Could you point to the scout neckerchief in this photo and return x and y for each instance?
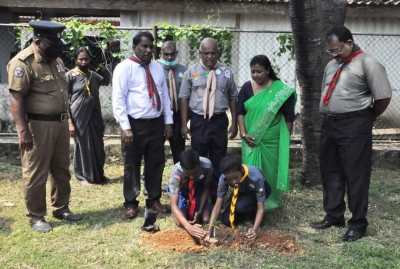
(151, 86)
(192, 198)
(235, 196)
(209, 91)
(87, 80)
(173, 95)
(335, 78)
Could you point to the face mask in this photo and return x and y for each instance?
(169, 64)
(53, 51)
(83, 68)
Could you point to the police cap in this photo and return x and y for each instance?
(47, 29)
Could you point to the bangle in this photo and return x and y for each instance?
(243, 134)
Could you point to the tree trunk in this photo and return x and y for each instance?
(310, 20)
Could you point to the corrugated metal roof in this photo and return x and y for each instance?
(350, 2)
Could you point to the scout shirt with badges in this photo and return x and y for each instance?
(361, 81)
(179, 70)
(43, 83)
(194, 83)
(254, 183)
(178, 180)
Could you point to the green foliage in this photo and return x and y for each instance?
(286, 45)
(194, 34)
(102, 32)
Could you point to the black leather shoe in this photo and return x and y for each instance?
(69, 217)
(352, 235)
(41, 226)
(325, 224)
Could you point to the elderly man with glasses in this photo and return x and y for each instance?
(355, 91)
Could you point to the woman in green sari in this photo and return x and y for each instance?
(265, 116)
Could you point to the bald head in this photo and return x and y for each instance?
(209, 53)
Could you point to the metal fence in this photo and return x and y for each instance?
(246, 45)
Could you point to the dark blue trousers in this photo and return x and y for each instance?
(210, 140)
(345, 163)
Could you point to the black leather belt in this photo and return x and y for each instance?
(342, 116)
(147, 120)
(57, 117)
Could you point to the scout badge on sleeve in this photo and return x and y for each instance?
(19, 71)
(150, 217)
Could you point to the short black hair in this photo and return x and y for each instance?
(136, 39)
(343, 33)
(79, 50)
(231, 164)
(266, 63)
(189, 159)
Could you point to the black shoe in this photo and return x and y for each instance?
(41, 226)
(352, 235)
(69, 217)
(326, 224)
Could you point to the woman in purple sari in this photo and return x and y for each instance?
(85, 122)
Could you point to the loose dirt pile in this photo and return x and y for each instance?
(180, 241)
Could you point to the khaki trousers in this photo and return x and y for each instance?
(49, 157)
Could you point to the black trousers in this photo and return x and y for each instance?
(345, 162)
(210, 140)
(176, 141)
(148, 142)
(246, 208)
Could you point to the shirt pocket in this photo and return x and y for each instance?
(199, 83)
(45, 83)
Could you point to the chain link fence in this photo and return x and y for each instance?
(246, 45)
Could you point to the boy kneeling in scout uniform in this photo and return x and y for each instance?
(250, 190)
(190, 182)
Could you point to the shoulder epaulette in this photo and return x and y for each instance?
(24, 54)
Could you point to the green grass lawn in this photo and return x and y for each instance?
(105, 239)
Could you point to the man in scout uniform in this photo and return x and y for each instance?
(188, 189)
(208, 90)
(39, 104)
(173, 72)
(355, 91)
(250, 190)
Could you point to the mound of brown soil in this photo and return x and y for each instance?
(180, 241)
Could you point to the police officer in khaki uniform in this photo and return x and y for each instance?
(39, 104)
(208, 89)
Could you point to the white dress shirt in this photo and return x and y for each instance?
(131, 97)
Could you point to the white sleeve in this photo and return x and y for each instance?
(119, 96)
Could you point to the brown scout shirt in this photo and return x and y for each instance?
(43, 84)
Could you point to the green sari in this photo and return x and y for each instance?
(267, 125)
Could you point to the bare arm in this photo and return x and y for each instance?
(196, 229)
(214, 216)
(234, 128)
(252, 233)
(184, 118)
(19, 113)
(289, 126)
(380, 107)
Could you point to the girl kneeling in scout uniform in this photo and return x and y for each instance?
(188, 189)
(250, 190)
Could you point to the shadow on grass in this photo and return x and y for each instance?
(5, 225)
(103, 218)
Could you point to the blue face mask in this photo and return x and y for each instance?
(169, 64)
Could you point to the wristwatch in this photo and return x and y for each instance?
(243, 134)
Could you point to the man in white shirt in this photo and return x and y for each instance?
(142, 108)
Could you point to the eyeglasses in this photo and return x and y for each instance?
(335, 50)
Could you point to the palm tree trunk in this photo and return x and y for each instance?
(310, 21)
